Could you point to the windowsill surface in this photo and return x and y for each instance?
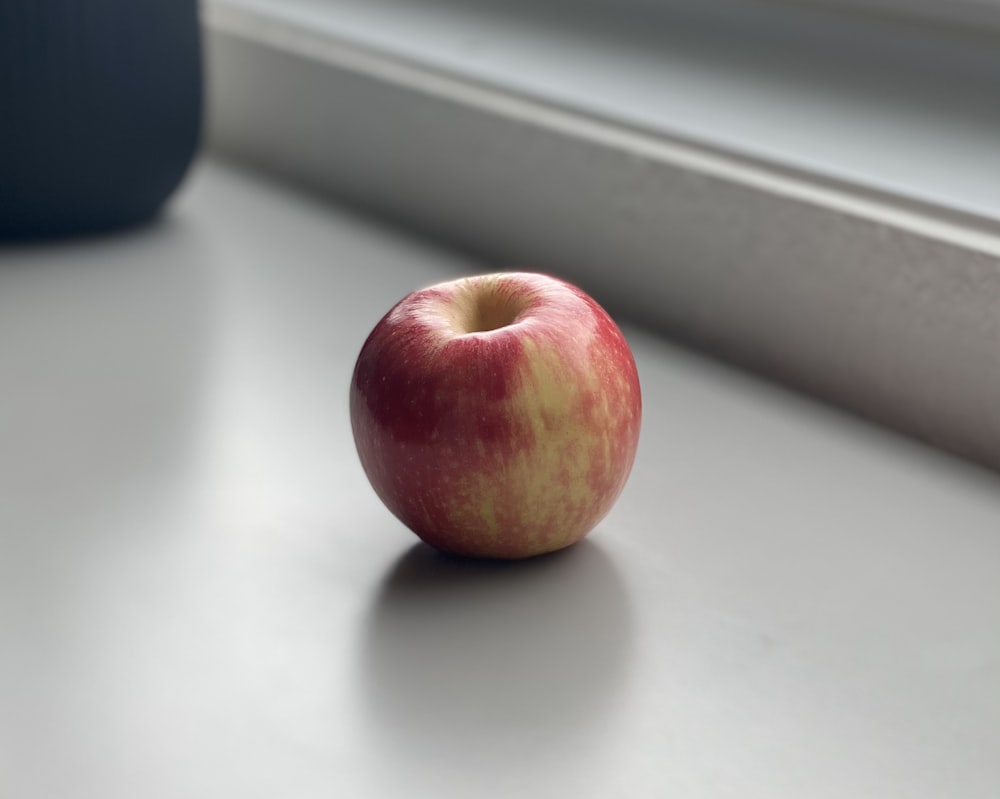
(202, 597)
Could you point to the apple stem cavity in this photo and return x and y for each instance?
(486, 305)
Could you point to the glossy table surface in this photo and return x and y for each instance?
(200, 596)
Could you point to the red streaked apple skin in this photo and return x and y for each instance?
(506, 443)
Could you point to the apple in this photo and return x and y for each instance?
(497, 416)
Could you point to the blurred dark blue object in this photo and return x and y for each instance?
(100, 110)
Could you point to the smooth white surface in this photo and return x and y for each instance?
(899, 111)
(201, 597)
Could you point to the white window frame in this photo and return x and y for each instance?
(885, 302)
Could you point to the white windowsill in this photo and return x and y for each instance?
(201, 597)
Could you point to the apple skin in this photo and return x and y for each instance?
(497, 416)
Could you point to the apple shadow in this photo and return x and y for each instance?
(460, 651)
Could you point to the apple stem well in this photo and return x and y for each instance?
(487, 305)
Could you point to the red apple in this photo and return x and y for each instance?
(497, 416)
